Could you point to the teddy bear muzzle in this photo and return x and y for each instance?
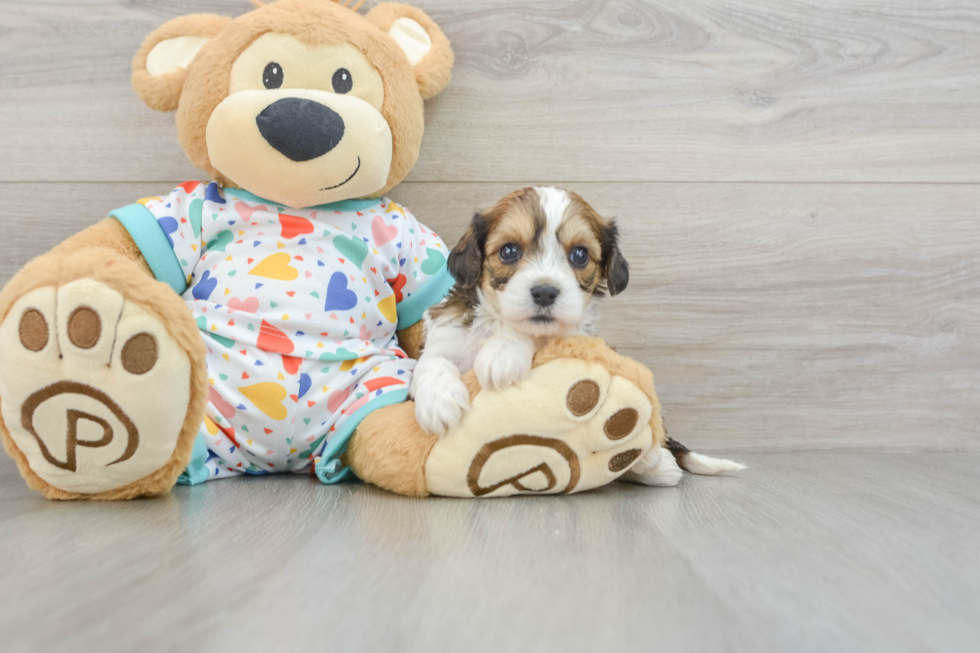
(300, 147)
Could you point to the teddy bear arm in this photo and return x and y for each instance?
(108, 233)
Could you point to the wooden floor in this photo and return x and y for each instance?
(798, 185)
(805, 552)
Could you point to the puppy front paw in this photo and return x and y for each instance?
(502, 363)
(440, 395)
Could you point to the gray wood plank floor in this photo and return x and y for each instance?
(804, 552)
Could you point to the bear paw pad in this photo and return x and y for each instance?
(570, 426)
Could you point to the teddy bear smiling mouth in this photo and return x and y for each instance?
(356, 170)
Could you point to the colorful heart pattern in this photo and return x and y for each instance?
(246, 211)
(383, 233)
(268, 398)
(274, 340)
(276, 267)
(293, 225)
(339, 298)
(247, 305)
(389, 308)
(299, 308)
(354, 249)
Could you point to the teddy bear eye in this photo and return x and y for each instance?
(342, 81)
(272, 77)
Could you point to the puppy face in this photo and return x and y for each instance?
(537, 258)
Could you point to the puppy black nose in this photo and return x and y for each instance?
(300, 129)
(544, 296)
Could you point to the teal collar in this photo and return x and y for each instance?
(342, 205)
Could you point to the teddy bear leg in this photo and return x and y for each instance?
(103, 382)
(389, 450)
(582, 418)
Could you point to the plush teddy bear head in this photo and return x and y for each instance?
(302, 102)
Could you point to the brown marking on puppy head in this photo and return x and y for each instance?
(213, 71)
(581, 226)
(466, 260)
(584, 227)
(466, 265)
(516, 221)
(517, 218)
(458, 307)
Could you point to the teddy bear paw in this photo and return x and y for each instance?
(569, 426)
(94, 389)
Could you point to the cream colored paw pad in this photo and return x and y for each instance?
(570, 426)
(81, 373)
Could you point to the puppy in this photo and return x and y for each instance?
(526, 271)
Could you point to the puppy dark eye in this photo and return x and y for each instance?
(579, 257)
(342, 81)
(272, 77)
(510, 253)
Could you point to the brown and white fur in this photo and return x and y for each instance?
(526, 271)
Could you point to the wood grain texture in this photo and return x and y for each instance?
(790, 317)
(568, 90)
(805, 552)
(775, 316)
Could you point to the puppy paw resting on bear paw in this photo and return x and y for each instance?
(502, 363)
(440, 395)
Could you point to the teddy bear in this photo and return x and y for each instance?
(268, 320)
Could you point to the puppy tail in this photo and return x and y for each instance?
(695, 463)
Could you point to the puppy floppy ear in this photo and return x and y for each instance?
(160, 66)
(426, 47)
(615, 269)
(466, 259)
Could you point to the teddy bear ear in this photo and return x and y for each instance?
(160, 66)
(426, 47)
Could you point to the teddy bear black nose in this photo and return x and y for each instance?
(300, 129)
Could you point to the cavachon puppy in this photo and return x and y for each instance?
(526, 271)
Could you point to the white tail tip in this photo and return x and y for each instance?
(658, 468)
(707, 466)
